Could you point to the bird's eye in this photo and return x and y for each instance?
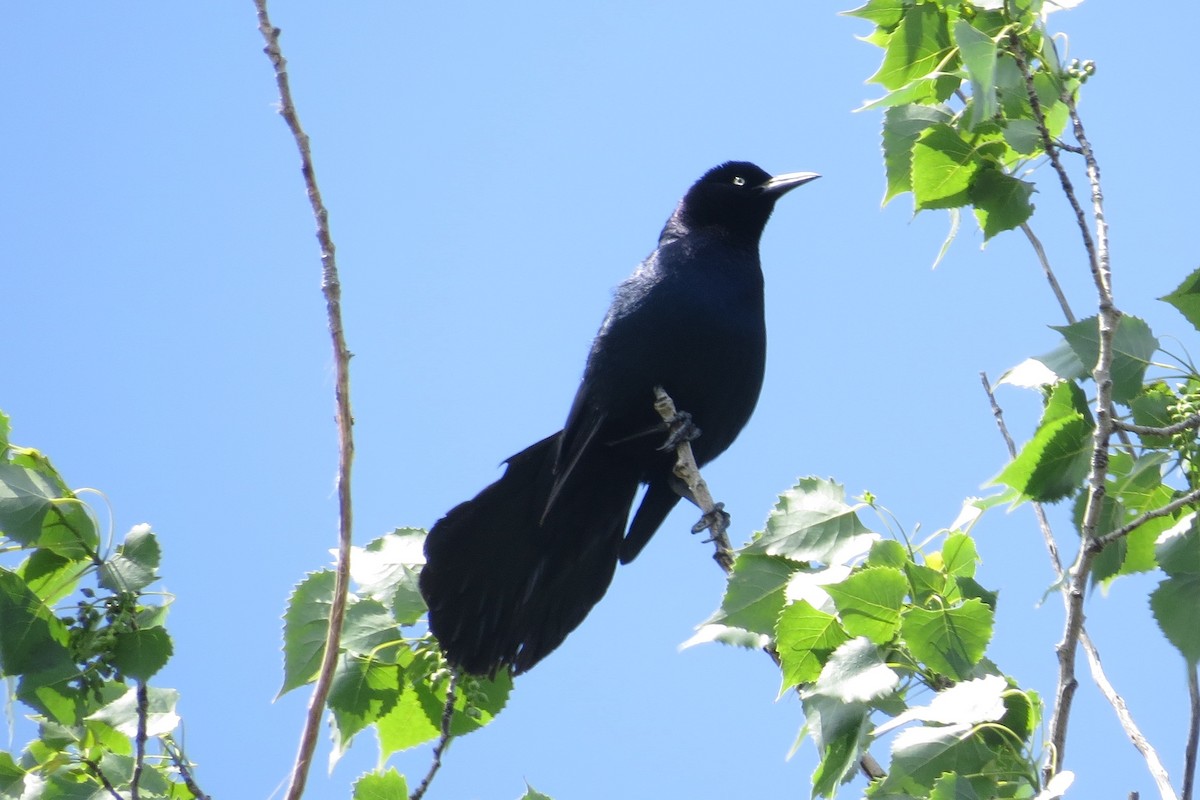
(739, 181)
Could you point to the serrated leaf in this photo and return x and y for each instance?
(902, 126)
(978, 52)
(1001, 201)
(884, 13)
(363, 691)
(370, 630)
(887, 553)
(967, 703)
(1055, 461)
(1186, 298)
(812, 522)
(32, 639)
(918, 46)
(869, 602)
(51, 576)
(1178, 548)
(140, 654)
(920, 756)
(1133, 347)
(804, 639)
(386, 570)
(959, 555)
(1176, 607)
(122, 713)
(953, 787)
(856, 673)
(839, 731)
(950, 640)
(533, 794)
(1023, 136)
(135, 564)
(388, 785)
(1152, 408)
(754, 595)
(26, 496)
(943, 167)
(305, 626)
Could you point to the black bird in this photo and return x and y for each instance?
(510, 573)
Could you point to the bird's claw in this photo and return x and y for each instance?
(680, 429)
(718, 519)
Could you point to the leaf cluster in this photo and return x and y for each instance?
(862, 626)
(388, 677)
(969, 89)
(81, 635)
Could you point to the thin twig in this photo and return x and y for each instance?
(686, 469)
(1193, 740)
(1167, 430)
(139, 763)
(440, 747)
(100, 776)
(175, 754)
(1157, 771)
(331, 288)
(1099, 543)
(1050, 276)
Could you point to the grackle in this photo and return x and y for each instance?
(510, 573)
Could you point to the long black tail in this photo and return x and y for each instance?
(504, 585)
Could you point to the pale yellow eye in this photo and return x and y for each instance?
(739, 181)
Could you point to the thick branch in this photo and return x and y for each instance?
(331, 287)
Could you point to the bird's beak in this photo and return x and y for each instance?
(786, 182)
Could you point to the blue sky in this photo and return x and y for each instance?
(492, 172)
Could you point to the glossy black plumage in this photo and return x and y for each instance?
(511, 572)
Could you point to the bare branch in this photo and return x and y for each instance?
(1099, 543)
(1050, 276)
(100, 776)
(440, 747)
(331, 287)
(139, 763)
(1153, 762)
(175, 754)
(1168, 430)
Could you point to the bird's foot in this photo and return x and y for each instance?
(716, 520)
(680, 429)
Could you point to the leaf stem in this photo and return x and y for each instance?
(443, 741)
(331, 288)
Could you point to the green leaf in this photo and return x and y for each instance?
(1178, 549)
(804, 639)
(813, 522)
(1152, 408)
(533, 794)
(32, 639)
(920, 756)
(51, 576)
(26, 496)
(388, 785)
(139, 654)
(305, 626)
(953, 787)
(1133, 347)
(884, 13)
(122, 713)
(917, 47)
(1176, 607)
(943, 167)
(1023, 136)
(363, 691)
(1186, 298)
(968, 703)
(839, 731)
(978, 51)
(1001, 201)
(950, 640)
(135, 564)
(869, 602)
(888, 553)
(1055, 461)
(902, 126)
(856, 673)
(370, 630)
(386, 570)
(754, 595)
(959, 556)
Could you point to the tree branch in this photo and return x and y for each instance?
(1153, 762)
(1189, 758)
(331, 288)
(1099, 543)
(1051, 278)
(1168, 430)
(440, 747)
(175, 754)
(139, 763)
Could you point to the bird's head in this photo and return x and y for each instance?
(736, 196)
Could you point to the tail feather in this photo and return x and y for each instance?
(504, 585)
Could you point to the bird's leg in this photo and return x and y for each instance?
(680, 429)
